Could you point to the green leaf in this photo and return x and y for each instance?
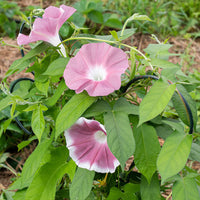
(97, 108)
(113, 23)
(150, 191)
(195, 152)
(57, 67)
(170, 73)
(37, 122)
(145, 156)
(32, 164)
(160, 51)
(9, 194)
(174, 154)
(19, 195)
(185, 189)
(129, 190)
(57, 94)
(23, 144)
(115, 193)
(22, 63)
(43, 186)
(122, 105)
(72, 110)
(42, 86)
(155, 101)
(120, 137)
(163, 63)
(175, 125)
(114, 34)
(137, 16)
(180, 106)
(163, 130)
(5, 102)
(128, 194)
(96, 16)
(127, 33)
(81, 184)
(71, 169)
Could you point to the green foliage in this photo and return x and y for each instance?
(72, 111)
(120, 137)
(169, 17)
(8, 10)
(44, 183)
(133, 119)
(173, 156)
(81, 184)
(150, 190)
(185, 188)
(146, 157)
(158, 97)
(10, 13)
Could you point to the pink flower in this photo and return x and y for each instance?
(87, 144)
(96, 68)
(47, 27)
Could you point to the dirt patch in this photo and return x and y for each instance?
(15, 161)
(8, 54)
(188, 49)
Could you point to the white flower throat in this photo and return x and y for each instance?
(100, 137)
(97, 73)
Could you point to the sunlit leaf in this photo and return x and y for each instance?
(32, 164)
(59, 90)
(147, 150)
(185, 189)
(72, 110)
(43, 186)
(81, 184)
(150, 191)
(37, 122)
(57, 67)
(137, 16)
(22, 63)
(174, 154)
(120, 136)
(156, 100)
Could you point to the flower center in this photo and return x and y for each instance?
(98, 73)
(100, 137)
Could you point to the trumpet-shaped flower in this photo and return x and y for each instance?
(96, 68)
(87, 144)
(47, 27)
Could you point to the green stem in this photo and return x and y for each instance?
(11, 45)
(124, 26)
(169, 196)
(101, 28)
(111, 42)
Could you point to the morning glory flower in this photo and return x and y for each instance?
(87, 144)
(96, 68)
(47, 28)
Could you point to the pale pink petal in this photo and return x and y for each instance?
(47, 28)
(42, 30)
(96, 68)
(87, 144)
(60, 15)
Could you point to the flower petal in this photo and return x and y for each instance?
(87, 144)
(47, 28)
(96, 68)
(60, 15)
